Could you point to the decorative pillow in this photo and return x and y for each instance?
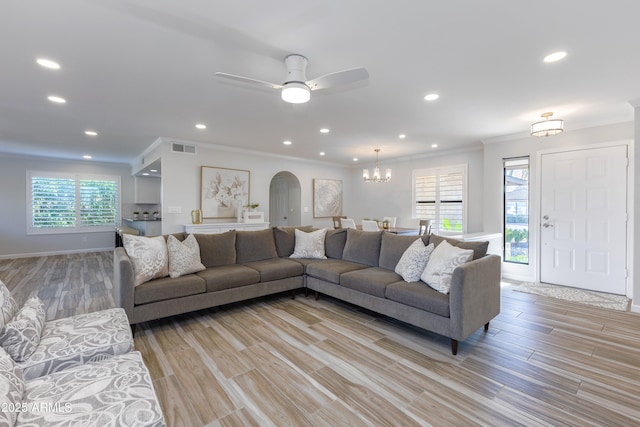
(479, 248)
(334, 243)
(254, 246)
(148, 256)
(8, 306)
(286, 239)
(184, 257)
(414, 260)
(443, 260)
(309, 245)
(217, 249)
(11, 389)
(362, 247)
(21, 336)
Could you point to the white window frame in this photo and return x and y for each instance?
(74, 229)
(438, 171)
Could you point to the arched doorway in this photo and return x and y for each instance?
(285, 200)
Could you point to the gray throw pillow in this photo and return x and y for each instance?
(362, 247)
(392, 248)
(334, 243)
(254, 246)
(217, 249)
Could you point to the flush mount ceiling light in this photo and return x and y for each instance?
(201, 126)
(47, 63)
(376, 172)
(296, 93)
(555, 56)
(431, 97)
(547, 127)
(56, 99)
(91, 133)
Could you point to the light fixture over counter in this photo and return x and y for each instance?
(547, 127)
(376, 172)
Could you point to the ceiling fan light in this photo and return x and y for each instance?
(296, 93)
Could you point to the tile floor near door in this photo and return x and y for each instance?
(277, 361)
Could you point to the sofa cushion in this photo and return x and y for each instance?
(414, 260)
(479, 248)
(229, 276)
(255, 246)
(8, 306)
(277, 268)
(306, 261)
(443, 260)
(393, 246)
(184, 257)
(167, 288)
(79, 339)
(12, 386)
(310, 245)
(331, 269)
(416, 294)
(286, 240)
(372, 281)
(334, 243)
(217, 249)
(21, 336)
(117, 391)
(362, 247)
(148, 256)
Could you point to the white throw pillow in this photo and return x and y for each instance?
(444, 259)
(310, 245)
(148, 256)
(184, 257)
(414, 260)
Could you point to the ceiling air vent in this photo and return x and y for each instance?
(183, 148)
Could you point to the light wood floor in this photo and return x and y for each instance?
(277, 361)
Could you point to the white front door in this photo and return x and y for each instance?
(583, 232)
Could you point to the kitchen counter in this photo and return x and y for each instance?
(146, 227)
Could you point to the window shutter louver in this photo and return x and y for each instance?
(439, 195)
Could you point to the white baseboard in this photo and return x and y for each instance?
(635, 308)
(39, 254)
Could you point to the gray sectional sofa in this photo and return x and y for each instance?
(359, 269)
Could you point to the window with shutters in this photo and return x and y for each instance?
(63, 203)
(440, 194)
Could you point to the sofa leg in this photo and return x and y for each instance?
(306, 292)
(293, 294)
(454, 346)
(486, 326)
(317, 296)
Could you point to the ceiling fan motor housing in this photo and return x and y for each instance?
(296, 68)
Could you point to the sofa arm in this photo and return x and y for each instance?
(474, 297)
(123, 281)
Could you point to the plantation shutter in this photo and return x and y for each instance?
(439, 195)
(98, 202)
(53, 202)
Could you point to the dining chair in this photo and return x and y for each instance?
(391, 219)
(425, 226)
(368, 225)
(347, 223)
(336, 221)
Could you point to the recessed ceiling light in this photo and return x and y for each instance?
(402, 136)
(48, 63)
(322, 153)
(434, 145)
(431, 97)
(91, 132)
(56, 99)
(287, 142)
(86, 156)
(201, 126)
(555, 56)
(355, 159)
(145, 173)
(325, 130)
(153, 170)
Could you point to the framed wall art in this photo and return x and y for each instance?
(223, 191)
(327, 198)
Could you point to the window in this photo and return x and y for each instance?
(516, 210)
(439, 194)
(63, 203)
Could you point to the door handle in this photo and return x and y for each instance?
(547, 225)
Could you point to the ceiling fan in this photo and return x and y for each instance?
(296, 89)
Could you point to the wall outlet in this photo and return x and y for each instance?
(305, 209)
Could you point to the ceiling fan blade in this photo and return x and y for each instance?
(338, 78)
(249, 80)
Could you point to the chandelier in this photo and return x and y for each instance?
(547, 127)
(376, 172)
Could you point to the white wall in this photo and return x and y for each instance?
(14, 241)
(530, 146)
(181, 180)
(394, 198)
